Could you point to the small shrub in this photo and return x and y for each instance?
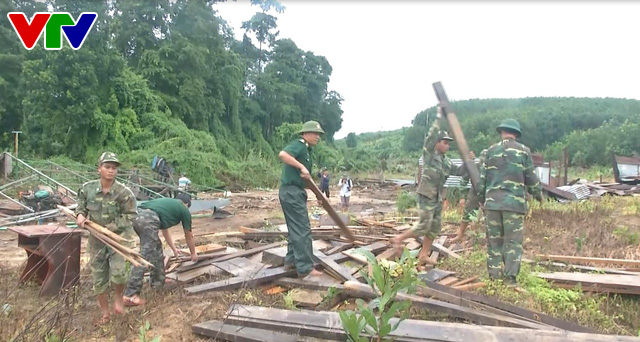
(405, 201)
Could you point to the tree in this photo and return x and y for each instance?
(351, 140)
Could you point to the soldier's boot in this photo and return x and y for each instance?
(461, 230)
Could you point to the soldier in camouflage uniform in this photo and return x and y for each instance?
(437, 167)
(113, 206)
(506, 174)
(471, 204)
(156, 216)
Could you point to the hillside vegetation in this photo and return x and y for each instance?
(169, 78)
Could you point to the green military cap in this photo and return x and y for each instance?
(108, 157)
(511, 125)
(443, 135)
(311, 126)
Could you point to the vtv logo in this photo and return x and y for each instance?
(53, 25)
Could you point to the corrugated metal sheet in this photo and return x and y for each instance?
(580, 190)
(456, 181)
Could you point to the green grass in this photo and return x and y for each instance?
(611, 314)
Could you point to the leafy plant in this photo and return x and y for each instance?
(373, 322)
(143, 333)
(405, 201)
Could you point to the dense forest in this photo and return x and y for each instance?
(168, 78)
(164, 77)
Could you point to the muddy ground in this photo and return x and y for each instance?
(557, 229)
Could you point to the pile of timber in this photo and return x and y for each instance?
(110, 239)
(608, 278)
(253, 323)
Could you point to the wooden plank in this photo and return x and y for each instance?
(274, 256)
(468, 287)
(413, 244)
(374, 248)
(458, 135)
(448, 281)
(195, 273)
(210, 248)
(239, 266)
(249, 252)
(485, 318)
(318, 283)
(332, 265)
(585, 260)
(202, 262)
(227, 332)
(453, 299)
(279, 235)
(264, 276)
(599, 282)
(435, 254)
(465, 281)
(337, 249)
(389, 254)
(327, 206)
(584, 269)
(445, 250)
(529, 314)
(248, 230)
(327, 325)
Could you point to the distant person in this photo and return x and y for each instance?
(183, 182)
(293, 198)
(506, 175)
(112, 205)
(156, 216)
(345, 185)
(436, 169)
(324, 183)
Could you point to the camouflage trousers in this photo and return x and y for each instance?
(107, 266)
(147, 225)
(505, 233)
(429, 224)
(471, 204)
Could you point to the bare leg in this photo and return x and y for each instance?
(118, 303)
(103, 301)
(398, 241)
(461, 230)
(423, 257)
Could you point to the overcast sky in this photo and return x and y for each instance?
(386, 54)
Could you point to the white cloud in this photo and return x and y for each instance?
(386, 55)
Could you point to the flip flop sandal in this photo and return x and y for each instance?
(131, 301)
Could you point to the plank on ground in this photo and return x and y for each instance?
(529, 314)
(603, 282)
(264, 276)
(586, 260)
(323, 324)
(485, 318)
(227, 332)
(333, 266)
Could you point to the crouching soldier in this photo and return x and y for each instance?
(156, 216)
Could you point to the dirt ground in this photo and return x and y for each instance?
(171, 312)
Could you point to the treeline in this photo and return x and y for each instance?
(591, 128)
(168, 78)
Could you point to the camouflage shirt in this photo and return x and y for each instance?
(466, 179)
(114, 210)
(506, 174)
(436, 167)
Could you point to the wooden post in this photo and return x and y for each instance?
(15, 133)
(565, 164)
(452, 119)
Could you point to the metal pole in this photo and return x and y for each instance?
(16, 133)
